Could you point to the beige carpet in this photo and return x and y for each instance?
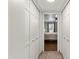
(50, 55)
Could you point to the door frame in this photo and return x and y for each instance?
(58, 40)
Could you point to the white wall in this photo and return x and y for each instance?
(41, 32)
(16, 29)
(65, 32)
(24, 30)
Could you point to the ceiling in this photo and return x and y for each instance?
(56, 6)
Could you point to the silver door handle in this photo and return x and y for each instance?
(33, 40)
(66, 39)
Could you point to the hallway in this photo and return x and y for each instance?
(30, 26)
(50, 55)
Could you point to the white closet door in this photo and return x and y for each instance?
(34, 49)
(67, 36)
(27, 40)
(32, 27)
(27, 52)
(34, 32)
(37, 26)
(34, 37)
(37, 34)
(66, 33)
(37, 48)
(27, 27)
(66, 39)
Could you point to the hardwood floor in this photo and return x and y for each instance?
(50, 51)
(50, 55)
(50, 45)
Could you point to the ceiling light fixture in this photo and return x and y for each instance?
(50, 0)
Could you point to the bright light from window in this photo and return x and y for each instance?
(50, 0)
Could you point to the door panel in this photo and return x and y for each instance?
(37, 48)
(32, 50)
(27, 27)
(27, 52)
(66, 33)
(34, 36)
(34, 31)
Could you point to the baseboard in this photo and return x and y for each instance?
(40, 53)
(61, 54)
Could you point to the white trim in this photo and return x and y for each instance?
(58, 31)
(40, 9)
(36, 5)
(65, 6)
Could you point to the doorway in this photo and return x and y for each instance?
(50, 32)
